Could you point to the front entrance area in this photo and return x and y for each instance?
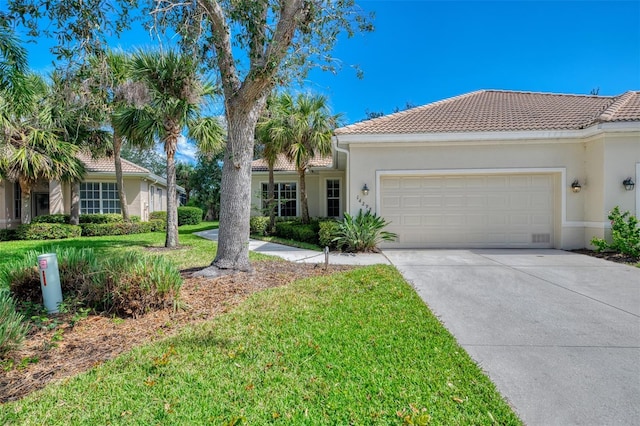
(469, 211)
(40, 204)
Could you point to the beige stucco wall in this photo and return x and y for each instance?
(316, 186)
(599, 163)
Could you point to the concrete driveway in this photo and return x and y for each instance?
(557, 332)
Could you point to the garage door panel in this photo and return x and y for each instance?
(469, 211)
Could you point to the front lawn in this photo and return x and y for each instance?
(355, 347)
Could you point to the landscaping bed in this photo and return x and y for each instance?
(72, 347)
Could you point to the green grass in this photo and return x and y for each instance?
(287, 242)
(357, 347)
(193, 252)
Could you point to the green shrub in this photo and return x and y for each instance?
(328, 233)
(158, 215)
(258, 225)
(47, 231)
(128, 283)
(100, 218)
(625, 234)
(157, 225)
(8, 235)
(51, 218)
(363, 232)
(12, 327)
(189, 215)
(118, 228)
(134, 218)
(294, 230)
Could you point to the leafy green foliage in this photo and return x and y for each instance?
(51, 218)
(160, 215)
(126, 283)
(328, 233)
(121, 228)
(363, 232)
(12, 327)
(295, 230)
(189, 215)
(625, 234)
(258, 225)
(8, 234)
(47, 231)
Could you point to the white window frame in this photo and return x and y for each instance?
(339, 197)
(278, 191)
(110, 189)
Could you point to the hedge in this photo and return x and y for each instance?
(121, 228)
(47, 231)
(52, 218)
(8, 234)
(294, 230)
(328, 232)
(189, 215)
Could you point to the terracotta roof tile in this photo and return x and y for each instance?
(105, 165)
(284, 165)
(497, 110)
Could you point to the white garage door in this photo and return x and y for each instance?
(469, 211)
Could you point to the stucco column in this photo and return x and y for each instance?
(56, 198)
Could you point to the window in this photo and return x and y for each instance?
(17, 201)
(286, 198)
(159, 198)
(99, 197)
(333, 197)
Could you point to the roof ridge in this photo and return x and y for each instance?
(530, 92)
(618, 102)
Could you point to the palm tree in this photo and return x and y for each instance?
(176, 94)
(304, 127)
(110, 90)
(33, 145)
(13, 59)
(271, 149)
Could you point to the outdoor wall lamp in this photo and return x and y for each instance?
(365, 190)
(629, 184)
(575, 186)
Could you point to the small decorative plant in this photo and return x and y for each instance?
(625, 235)
(363, 232)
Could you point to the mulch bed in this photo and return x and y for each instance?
(612, 257)
(97, 339)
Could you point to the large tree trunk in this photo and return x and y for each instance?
(271, 201)
(235, 198)
(303, 196)
(172, 202)
(74, 218)
(25, 208)
(117, 147)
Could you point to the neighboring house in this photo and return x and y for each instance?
(145, 191)
(489, 169)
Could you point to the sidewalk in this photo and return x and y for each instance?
(294, 254)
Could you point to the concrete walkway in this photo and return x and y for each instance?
(557, 332)
(305, 256)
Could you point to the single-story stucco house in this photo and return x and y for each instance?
(487, 169)
(146, 193)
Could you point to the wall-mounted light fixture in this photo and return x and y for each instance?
(628, 184)
(365, 190)
(575, 186)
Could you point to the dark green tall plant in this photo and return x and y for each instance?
(363, 232)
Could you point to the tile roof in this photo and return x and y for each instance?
(284, 165)
(499, 110)
(105, 165)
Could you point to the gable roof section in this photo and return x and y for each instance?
(284, 165)
(499, 110)
(106, 165)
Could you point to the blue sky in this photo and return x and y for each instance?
(423, 51)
